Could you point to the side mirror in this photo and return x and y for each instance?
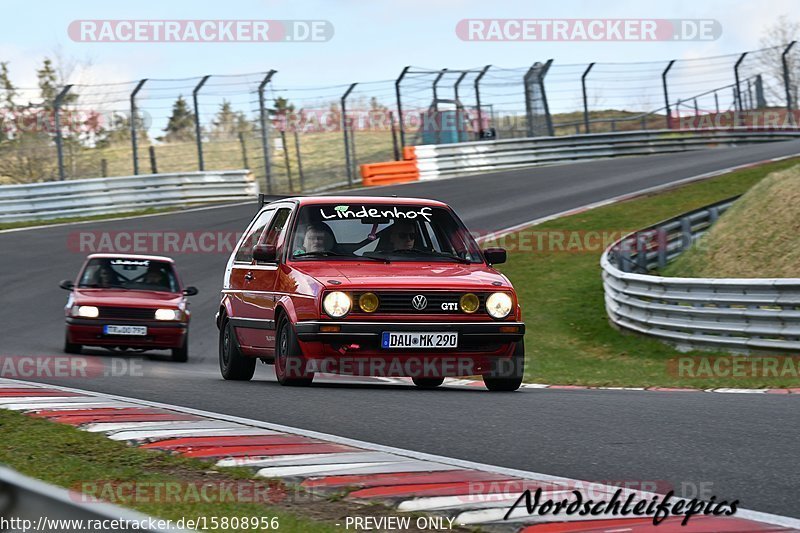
(495, 256)
(67, 285)
(190, 291)
(265, 253)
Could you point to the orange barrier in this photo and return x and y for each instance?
(409, 154)
(389, 173)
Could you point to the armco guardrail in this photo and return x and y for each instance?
(72, 198)
(434, 161)
(740, 315)
(28, 504)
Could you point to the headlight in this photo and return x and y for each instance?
(469, 303)
(498, 305)
(368, 302)
(337, 304)
(88, 311)
(168, 314)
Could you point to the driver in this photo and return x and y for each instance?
(155, 276)
(402, 235)
(318, 238)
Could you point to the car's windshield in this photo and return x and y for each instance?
(125, 273)
(381, 231)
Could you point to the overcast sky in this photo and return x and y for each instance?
(373, 39)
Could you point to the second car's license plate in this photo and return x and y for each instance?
(125, 330)
(400, 339)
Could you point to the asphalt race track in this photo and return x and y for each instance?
(734, 446)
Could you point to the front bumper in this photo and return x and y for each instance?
(160, 335)
(469, 333)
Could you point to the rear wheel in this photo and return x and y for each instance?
(427, 383)
(290, 366)
(232, 363)
(181, 355)
(70, 347)
(506, 374)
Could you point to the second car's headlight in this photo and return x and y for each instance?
(498, 304)
(337, 304)
(168, 314)
(88, 311)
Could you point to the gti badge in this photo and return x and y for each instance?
(419, 302)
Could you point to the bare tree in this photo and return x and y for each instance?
(775, 38)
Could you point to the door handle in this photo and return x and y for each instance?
(249, 276)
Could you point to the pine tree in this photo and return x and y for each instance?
(180, 127)
(9, 91)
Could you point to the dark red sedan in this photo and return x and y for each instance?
(368, 286)
(128, 302)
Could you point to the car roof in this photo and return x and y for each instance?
(384, 200)
(131, 256)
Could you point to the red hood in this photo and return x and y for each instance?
(119, 298)
(403, 275)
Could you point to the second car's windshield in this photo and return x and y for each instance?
(381, 231)
(125, 273)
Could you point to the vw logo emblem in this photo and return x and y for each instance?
(419, 302)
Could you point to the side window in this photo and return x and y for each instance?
(277, 227)
(245, 252)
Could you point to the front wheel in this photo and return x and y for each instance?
(290, 366)
(181, 354)
(232, 363)
(70, 347)
(506, 374)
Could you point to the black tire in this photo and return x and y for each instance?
(181, 355)
(290, 368)
(427, 383)
(233, 365)
(72, 348)
(506, 374)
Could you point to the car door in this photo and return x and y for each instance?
(244, 313)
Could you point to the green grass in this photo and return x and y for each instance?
(757, 237)
(569, 339)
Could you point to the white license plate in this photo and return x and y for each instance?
(125, 330)
(433, 340)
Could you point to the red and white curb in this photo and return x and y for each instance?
(452, 382)
(469, 493)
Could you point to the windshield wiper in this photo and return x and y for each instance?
(326, 253)
(432, 254)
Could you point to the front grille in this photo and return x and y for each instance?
(129, 313)
(401, 302)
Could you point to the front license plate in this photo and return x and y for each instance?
(400, 339)
(125, 330)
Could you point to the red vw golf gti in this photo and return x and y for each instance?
(368, 286)
(128, 302)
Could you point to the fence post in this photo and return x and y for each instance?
(134, 140)
(59, 140)
(400, 106)
(477, 84)
(716, 102)
(244, 150)
(459, 107)
(395, 146)
(197, 132)
(738, 88)
(286, 158)
(547, 117)
(153, 166)
(666, 93)
(585, 101)
(299, 161)
(437, 121)
(786, 81)
(346, 136)
(262, 118)
(104, 167)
